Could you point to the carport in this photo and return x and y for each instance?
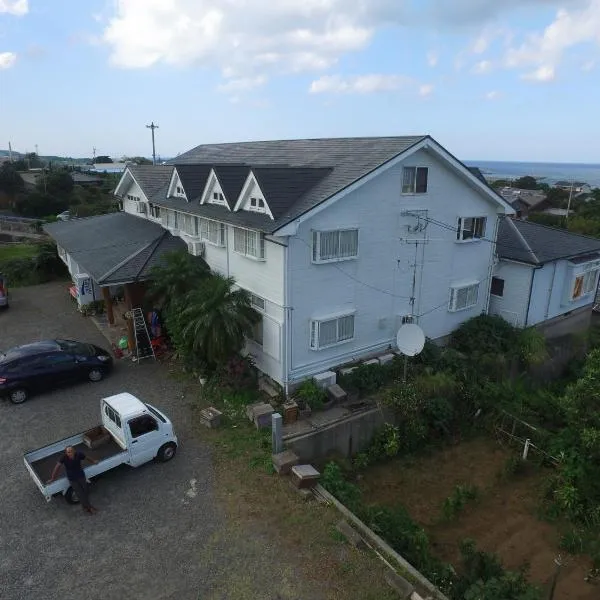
(114, 250)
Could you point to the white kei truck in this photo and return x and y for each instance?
(132, 433)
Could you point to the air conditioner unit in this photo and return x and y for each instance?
(195, 248)
(141, 208)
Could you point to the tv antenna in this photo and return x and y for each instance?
(410, 340)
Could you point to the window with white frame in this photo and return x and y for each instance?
(257, 205)
(463, 296)
(470, 228)
(340, 244)
(212, 231)
(172, 219)
(414, 180)
(330, 332)
(189, 224)
(218, 198)
(249, 243)
(155, 211)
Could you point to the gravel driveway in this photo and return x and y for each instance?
(155, 522)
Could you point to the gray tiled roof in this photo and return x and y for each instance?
(114, 248)
(349, 159)
(151, 178)
(537, 244)
(193, 178)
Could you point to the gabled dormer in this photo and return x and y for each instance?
(252, 197)
(213, 191)
(176, 188)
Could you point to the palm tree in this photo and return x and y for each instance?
(178, 274)
(217, 320)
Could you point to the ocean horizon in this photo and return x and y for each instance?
(545, 172)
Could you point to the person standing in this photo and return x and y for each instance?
(71, 460)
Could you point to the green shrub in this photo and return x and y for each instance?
(385, 444)
(367, 379)
(485, 334)
(458, 500)
(310, 393)
(335, 483)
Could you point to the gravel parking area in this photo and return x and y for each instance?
(159, 533)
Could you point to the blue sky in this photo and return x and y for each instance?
(490, 80)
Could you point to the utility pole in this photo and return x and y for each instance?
(569, 203)
(94, 155)
(10, 152)
(152, 126)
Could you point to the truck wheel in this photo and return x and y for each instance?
(18, 396)
(166, 452)
(71, 497)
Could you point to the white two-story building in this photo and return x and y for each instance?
(339, 241)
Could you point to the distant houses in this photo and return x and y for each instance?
(524, 201)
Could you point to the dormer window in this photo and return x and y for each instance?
(218, 197)
(257, 204)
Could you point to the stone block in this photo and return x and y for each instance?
(324, 380)
(305, 476)
(351, 535)
(250, 410)
(336, 393)
(268, 388)
(404, 588)
(373, 361)
(284, 461)
(347, 371)
(385, 359)
(262, 416)
(210, 417)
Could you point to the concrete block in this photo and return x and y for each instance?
(268, 388)
(351, 535)
(262, 416)
(400, 585)
(305, 476)
(385, 359)
(284, 461)
(210, 417)
(324, 380)
(336, 393)
(347, 371)
(373, 361)
(250, 410)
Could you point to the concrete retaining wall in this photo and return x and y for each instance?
(346, 437)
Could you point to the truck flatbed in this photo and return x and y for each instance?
(44, 466)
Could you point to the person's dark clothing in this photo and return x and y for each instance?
(73, 466)
(81, 488)
(76, 477)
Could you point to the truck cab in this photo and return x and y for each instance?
(139, 428)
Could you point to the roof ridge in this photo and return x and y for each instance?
(523, 240)
(158, 241)
(127, 259)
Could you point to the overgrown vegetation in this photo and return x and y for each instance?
(309, 393)
(31, 264)
(479, 576)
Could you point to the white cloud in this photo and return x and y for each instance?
(426, 89)
(242, 84)
(589, 65)
(7, 60)
(14, 7)
(482, 67)
(544, 51)
(543, 74)
(432, 58)
(492, 95)
(359, 84)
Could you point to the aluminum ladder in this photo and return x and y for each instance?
(143, 345)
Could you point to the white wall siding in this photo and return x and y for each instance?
(512, 305)
(552, 285)
(130, 206)
(378, 284)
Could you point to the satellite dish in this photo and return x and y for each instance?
(410, 339)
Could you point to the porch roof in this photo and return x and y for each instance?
(116, 248)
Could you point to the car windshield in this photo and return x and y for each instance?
(76, 347)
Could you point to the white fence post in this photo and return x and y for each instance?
(526, 448)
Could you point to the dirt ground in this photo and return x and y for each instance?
(502, 520)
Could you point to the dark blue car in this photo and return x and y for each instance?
(44, 365)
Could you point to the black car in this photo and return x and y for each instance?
(41, 366)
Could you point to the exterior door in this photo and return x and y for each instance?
(145, 439)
